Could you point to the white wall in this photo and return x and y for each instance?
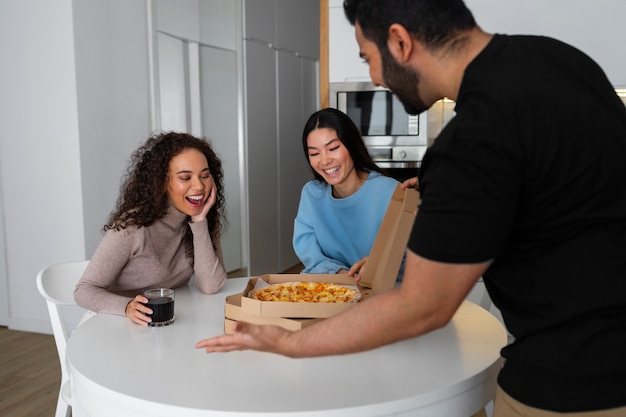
(596, 28)
(74, 103)
(113, 87)
(39, 149)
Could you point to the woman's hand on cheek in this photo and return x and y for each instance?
(210, 202)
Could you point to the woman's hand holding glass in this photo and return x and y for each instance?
(137, 311)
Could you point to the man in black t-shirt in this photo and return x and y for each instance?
(525, 187)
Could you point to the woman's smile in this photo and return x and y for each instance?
(331, 171)
(189, 180)
(196, 200)
(330, 158)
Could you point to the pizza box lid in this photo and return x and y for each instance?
(378, 276)
(389, 246)
(233, 313)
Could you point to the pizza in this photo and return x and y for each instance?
(309, 292)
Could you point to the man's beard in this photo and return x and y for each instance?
(403, 82)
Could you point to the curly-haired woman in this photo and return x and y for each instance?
(165, 228)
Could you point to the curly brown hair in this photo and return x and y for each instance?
(143, 196)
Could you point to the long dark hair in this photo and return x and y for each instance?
(348, 134)
(435, 23)
(143, 196)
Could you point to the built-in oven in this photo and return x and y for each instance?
(393, 138)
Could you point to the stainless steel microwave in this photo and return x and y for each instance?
(394, 138)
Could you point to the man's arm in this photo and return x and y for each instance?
(427, 299)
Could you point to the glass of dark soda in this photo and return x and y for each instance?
(161, 301)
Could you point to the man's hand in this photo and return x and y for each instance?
(247, 336)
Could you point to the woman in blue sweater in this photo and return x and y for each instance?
(342, 208)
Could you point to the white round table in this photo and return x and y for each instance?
(120, 368)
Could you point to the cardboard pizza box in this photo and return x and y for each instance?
(379, 275)
(234, 313)
(297, 310)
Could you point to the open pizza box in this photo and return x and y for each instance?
(379, 275)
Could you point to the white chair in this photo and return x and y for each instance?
(56, 284)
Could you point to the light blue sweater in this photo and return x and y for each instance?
(333, 233)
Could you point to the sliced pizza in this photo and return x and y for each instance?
(306, 292)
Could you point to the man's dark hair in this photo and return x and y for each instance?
(435, 23)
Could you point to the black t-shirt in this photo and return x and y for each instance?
(531, 173)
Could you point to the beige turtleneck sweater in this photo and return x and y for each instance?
(129, 261)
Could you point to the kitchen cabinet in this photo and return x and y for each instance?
(220, 116)
(260, 20)
(280, 81)
(298, 27)
(262, 160)
(291, 25)
(297, 99)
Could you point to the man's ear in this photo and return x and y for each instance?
(400, 43)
